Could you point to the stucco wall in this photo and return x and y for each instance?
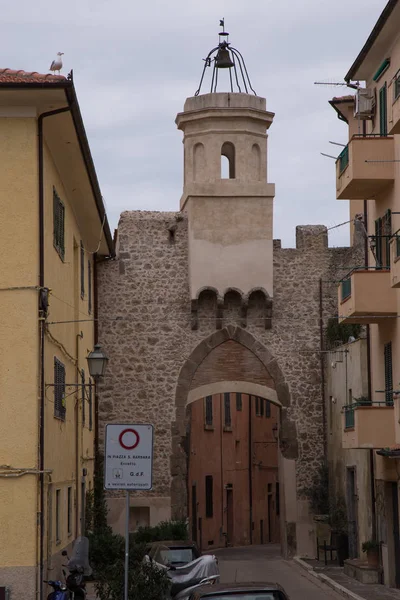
(145, 326)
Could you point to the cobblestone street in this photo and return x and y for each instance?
(264, 563)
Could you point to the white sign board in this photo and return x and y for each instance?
(128, 457)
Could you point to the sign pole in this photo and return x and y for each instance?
(126, 546)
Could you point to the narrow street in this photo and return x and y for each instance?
(264, 563)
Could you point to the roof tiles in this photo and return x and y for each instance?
(13, 76)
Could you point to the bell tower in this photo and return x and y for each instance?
(226, 193)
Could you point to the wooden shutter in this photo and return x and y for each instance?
(388, 374)
(227, 407)
(59, 389)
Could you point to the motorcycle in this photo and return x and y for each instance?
(78, 566)
(186, 579)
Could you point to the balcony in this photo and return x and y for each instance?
(365, 167)
(365, 296)
(394, 123)
(368, 425)
(395, 261)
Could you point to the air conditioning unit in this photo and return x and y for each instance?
(365, 103)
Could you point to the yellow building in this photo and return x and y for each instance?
(368, 174)
(53, 229)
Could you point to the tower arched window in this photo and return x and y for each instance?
(228, 161)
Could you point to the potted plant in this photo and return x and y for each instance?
(371, 548)
(340, 536)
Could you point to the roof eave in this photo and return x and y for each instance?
(87, 157)
(387, 11)
(340, 115)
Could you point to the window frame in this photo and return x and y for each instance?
(267, 409)
(383, 111)
(82, 269)
(208, 411)
(69, 510)
(58, 516)
(239, 401)
(90, 293)
(388, 371)
(58, 224)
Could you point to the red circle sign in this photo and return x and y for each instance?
(129, 444)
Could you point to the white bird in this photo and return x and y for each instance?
(57, 64)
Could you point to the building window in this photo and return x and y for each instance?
(209, 497)
(261, 407)
(228, 161)
(227, 409)
(69, 510)
(209, 410)
(58, 509)
(268, 409)
(89, 270)
(59, 389)
(82, 271)
(83, 397)
(90, 406)
(58, 224)
(257, 406)
(383, 110)
(388, 374)
(239, 401)
(277, 499)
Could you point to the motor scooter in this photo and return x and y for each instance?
(79, 568)
(60, 591)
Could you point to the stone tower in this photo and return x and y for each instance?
(230, 219)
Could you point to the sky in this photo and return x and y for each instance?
(135, 63)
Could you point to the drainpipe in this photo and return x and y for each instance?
(371, 452)
(322, 366)
(250, 472)
(41, 340)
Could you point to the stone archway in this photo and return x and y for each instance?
(190, 384)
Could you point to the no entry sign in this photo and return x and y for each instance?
(128, 457)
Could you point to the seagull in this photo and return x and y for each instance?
(56, 65)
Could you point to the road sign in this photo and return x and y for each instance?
(128, 457)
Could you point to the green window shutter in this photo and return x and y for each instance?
(58, 224)
(383, 110)
(59, 389)
(388, 374)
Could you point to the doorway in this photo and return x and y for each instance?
(229, 515)
(352, 500)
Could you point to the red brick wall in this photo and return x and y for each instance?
(224, 454)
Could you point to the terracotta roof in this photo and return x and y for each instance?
(343, 98)
(12, 76)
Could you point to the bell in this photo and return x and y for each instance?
(223, 59)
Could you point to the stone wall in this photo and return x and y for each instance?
(145, 325)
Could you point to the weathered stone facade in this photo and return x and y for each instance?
(159, 356)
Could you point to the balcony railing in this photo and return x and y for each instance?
(368, 425)
(346, 288)
(343, 159)
(365, 167)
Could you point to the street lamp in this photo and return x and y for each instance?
(97, 362)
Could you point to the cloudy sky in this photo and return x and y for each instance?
(135, 62)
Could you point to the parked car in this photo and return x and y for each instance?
(179, 552)
(240, 591)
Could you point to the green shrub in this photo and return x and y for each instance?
(166, 530)
(370, 545)
(318, 491)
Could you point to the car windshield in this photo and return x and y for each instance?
(177, 555)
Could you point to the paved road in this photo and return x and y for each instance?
(264, 563)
